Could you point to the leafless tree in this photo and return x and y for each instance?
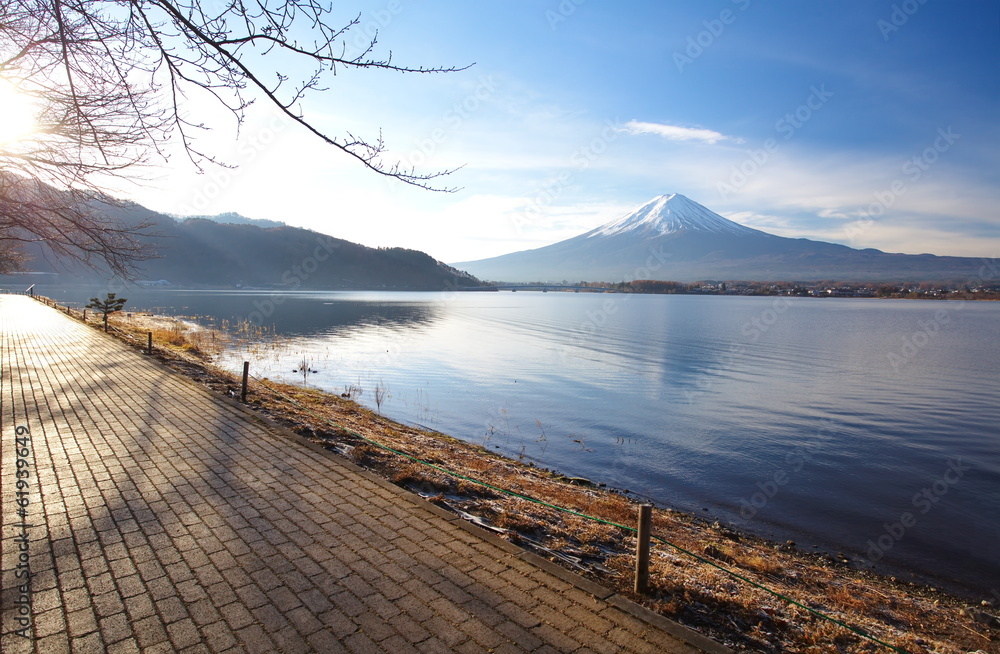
(108, 80)
(72, 224)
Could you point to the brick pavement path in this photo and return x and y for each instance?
(162, 517)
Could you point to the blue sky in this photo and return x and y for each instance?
(866, 122)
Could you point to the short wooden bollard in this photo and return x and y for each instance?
(642, 549)
(149, 342)
(84, 315)
(246, 375)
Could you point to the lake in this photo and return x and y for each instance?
(867, 427)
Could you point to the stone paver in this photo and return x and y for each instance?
(158, 517)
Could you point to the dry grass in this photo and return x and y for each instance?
(732, 611)
(182, 337)
(913, 618)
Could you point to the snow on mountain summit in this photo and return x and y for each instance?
(669, 214)
(673, 238)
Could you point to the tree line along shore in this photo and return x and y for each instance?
(955, 290)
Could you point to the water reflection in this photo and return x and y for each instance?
(299, 314)
(697, 402)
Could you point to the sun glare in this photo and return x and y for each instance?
(16, 115)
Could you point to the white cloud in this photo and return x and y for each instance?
(564, 174)
(676, 132)
(779, 225)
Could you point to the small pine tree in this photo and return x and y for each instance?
(107, 306)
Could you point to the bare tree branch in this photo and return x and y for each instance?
(108, 80)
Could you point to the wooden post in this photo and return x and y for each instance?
(149, 342)
(84, 315)
(246, 375)
(642, 549)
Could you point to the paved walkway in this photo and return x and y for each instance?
(160, 517)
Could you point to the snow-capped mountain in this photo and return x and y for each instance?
(670, 214)
(674, 238)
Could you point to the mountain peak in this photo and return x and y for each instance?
(669, 214)
(674, 238)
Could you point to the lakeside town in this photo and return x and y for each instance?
(981, 289)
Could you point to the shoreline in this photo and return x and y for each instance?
(806, 544)
(761, 289)
(906, 614)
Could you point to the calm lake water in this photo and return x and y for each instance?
(866, 427)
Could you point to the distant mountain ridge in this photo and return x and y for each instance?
(217, 254)
(233, 218)
(673, 238)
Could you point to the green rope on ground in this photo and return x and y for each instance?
(859, 632)
(535, 500)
